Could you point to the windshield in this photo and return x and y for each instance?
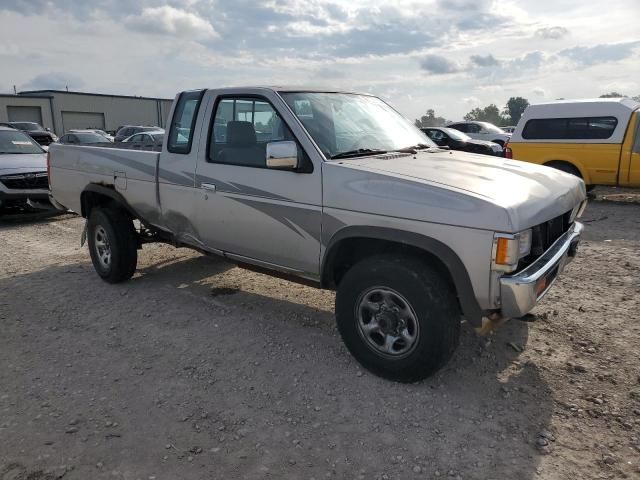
(344, 122)
(12, 142)
(491, 128)
(30, 126)
(456, 134)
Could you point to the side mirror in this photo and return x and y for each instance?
(282, 155)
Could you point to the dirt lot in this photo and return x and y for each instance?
(195, 369)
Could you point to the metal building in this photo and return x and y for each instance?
(62, 111)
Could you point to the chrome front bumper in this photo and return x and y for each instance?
(521, 292)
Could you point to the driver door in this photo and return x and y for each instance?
(253, 213)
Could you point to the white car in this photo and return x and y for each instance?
(482, 131)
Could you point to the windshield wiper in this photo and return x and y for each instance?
(358, 153)
(415, 148)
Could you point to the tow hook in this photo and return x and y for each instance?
(490, 323)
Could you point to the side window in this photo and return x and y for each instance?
(473, 128)
(461, 127)
(184, 122)
(579, 128)
(242, 127)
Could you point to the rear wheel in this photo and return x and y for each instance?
(565, 167)
(568, 168)
(398, 317)
(112, 244)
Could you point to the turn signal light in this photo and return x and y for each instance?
(502, 252)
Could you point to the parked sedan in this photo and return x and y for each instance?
(129, 130)
(42, 135)
(151, 140)
(482, 131)
(23, 170)
(455, 140)
(94, 130)
(84, 138)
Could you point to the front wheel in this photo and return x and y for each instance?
(398, 317)
(112, 244)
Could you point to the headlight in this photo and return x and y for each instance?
(508, 249)
(524, 243)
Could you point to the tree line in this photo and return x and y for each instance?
(510, 114)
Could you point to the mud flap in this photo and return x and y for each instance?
(83, 236)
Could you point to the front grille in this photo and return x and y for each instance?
(26, 181)
(544, 235)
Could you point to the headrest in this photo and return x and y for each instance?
(241, 133)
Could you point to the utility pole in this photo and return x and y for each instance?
(15, 91)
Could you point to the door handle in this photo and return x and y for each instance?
(208, 186)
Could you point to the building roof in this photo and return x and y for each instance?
(49, 93)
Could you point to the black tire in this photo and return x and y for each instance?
(565, 167)
(117, 227)
(430, 299)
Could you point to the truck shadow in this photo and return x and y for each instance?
(12, 219)
(266, 369)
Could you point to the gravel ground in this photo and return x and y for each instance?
(196, 369)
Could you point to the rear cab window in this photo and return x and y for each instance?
(183, 122)
(575, 128)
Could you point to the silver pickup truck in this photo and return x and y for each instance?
(339, 191)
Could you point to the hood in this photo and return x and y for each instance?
(464, 189)
(22, 163)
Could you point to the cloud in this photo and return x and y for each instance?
(486, 61)
(53, 81)
(551, 33)
(602, 53)
(539, 92)
(438, 65)
(168, 20)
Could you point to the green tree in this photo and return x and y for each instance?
(612, 95)
(636, 98)
(514, 109)
(430, 120)
(489, 114)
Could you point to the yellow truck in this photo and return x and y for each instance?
(595, 139)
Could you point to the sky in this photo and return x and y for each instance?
(449, 55)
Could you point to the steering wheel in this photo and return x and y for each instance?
(364, 140)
